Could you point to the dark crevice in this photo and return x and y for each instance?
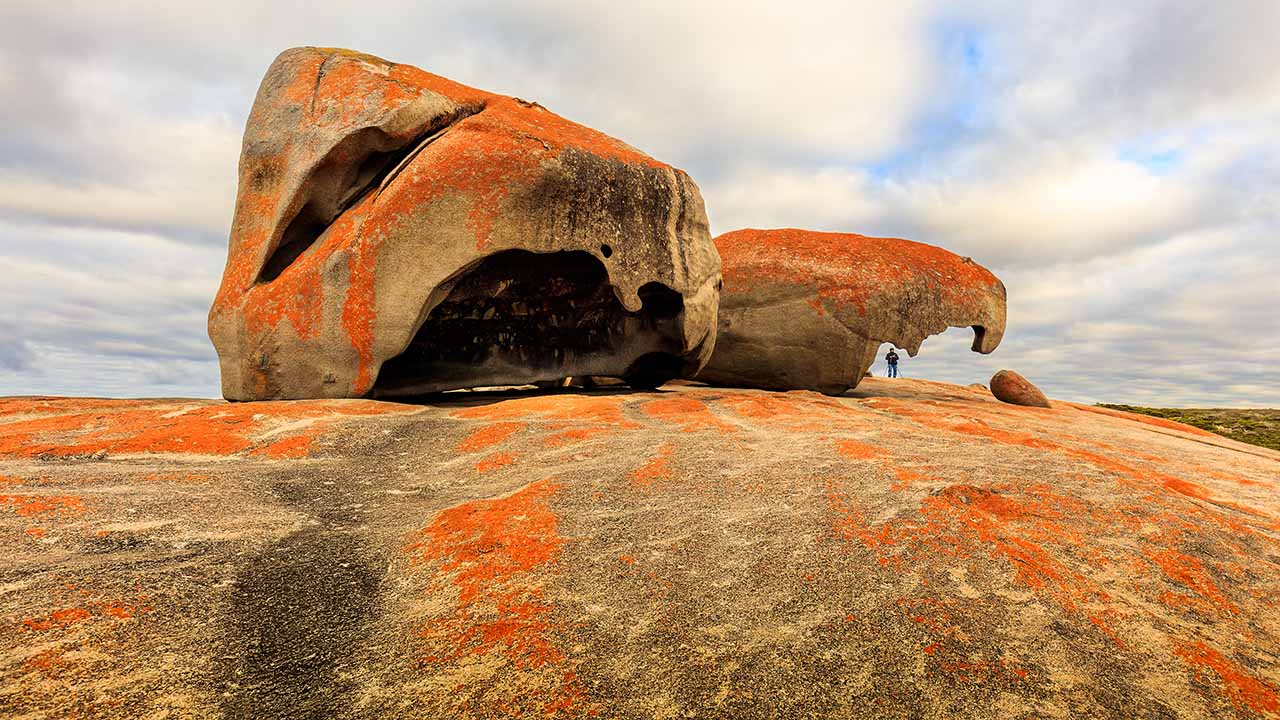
(517, 317)
(651, 370)
(979, 333)
(338, 183)
(660, 301)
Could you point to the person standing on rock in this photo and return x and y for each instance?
(892, 359)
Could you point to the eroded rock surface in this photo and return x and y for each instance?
(808, 310)
(913, 548)
(1010, 387)
(399, 233)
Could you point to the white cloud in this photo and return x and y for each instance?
(1115, 163)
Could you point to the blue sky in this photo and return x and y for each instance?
(1116, 164)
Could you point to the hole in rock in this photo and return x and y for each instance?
(301, 233)
(517, 317)
(354, 167)
(606, 251)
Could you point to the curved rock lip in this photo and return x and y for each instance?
(802, 309)
(388, 216)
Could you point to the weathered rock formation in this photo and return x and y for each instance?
(1010, 387)
(397, 233)
(808, 310)
(911, 549)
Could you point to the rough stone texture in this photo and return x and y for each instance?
(808, 310)
(397, 233)
(912, 549)
(1008, 386)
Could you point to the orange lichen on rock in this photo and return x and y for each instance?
(1190, 573)
(848, 268)
(655, 469)
(1244, 690)
(858, 450)
(603, 410)
(1145, 420)
(293, 447)
(491, 552)
(44, 506)
(57, 618)
(149, 427)
(573, 435)
(495, 461)
(691, 414)
(489, 435)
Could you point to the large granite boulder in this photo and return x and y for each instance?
(808, 310)
(398, 233)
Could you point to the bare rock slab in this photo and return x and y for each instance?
(398, 233)
(918, 549)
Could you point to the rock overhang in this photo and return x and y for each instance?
(369, 189)
(807, 309)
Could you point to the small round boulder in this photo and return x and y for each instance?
(1010, 387)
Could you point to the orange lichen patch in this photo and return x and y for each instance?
(858, 450)
(89, 609)
(798, 411)
(143, 427)
(50, 662)
(816, 304)
(851, 269)
(20, 406)
(1190, 573)
(585, 409)
(1245, 691)
(905, 478)
(495, 461)
(294, 447)
(1102, 624)
(1024, 530)
(1144, 419)
(1193, 558)
(655, 469)
(57, 618)
(489, 551)
(921, 413)
(485, 544)
(573, 435)
(489, 435)
(35, 532)
(691, 414)
(44, 505)
(122, 611)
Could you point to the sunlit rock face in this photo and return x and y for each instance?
(808, 310)
(398, 233)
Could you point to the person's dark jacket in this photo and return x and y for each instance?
(892, 358)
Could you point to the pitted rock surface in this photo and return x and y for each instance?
(1010, 387)
(809, 310)
(910, 549)
(398, 233)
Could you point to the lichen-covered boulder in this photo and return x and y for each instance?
(808, 310)
(398, 233)
(1009, 387)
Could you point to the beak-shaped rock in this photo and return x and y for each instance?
(808, 310)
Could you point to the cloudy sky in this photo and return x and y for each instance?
(1116, 164)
